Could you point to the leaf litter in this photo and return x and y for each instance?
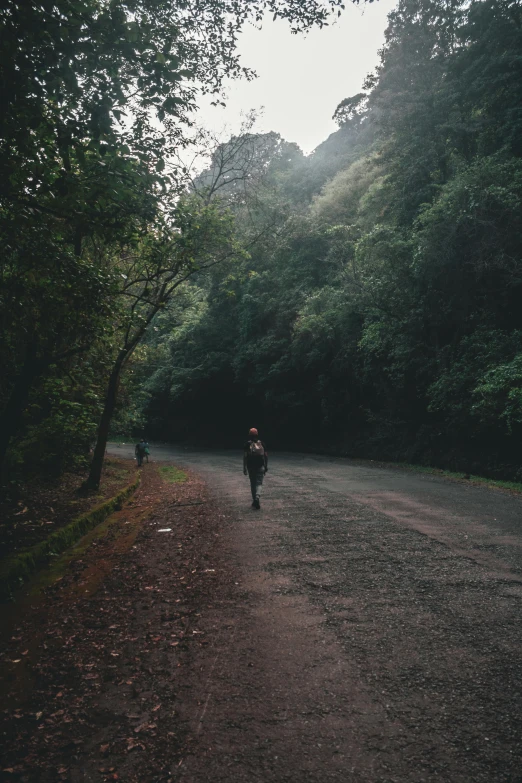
(99, 654)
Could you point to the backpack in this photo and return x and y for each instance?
(257, 449)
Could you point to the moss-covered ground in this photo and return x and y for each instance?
(18, 566)
(172, 474)
(33, 509)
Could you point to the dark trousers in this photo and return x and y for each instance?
(256, 476)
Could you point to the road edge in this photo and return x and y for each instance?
(17, 568)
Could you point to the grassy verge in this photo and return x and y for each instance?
(510, 486)
(172, 474)
(17, 568)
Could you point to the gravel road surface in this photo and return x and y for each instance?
(372, 631)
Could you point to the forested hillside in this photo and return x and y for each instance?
(365, 299)
(99, 225)
(378, 310)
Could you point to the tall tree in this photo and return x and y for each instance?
(199, 238)
(96, 97)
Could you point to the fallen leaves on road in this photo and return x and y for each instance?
(100, 655)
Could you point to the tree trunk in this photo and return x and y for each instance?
(93, 481)
(13, 412)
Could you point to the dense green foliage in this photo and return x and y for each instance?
(380, 315)
(363, 299)
(97, 227)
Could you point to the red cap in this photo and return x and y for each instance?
(253, 432)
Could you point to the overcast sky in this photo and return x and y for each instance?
(301, 79)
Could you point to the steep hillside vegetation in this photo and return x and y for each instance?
(378, 309)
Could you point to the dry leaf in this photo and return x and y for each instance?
(132, 743)
(144, 726)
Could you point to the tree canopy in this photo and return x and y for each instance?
(363, 299)
(382, 317)
(96, 101)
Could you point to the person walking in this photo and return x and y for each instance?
(255, 464)
(139, 451)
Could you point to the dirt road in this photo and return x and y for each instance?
(369, 630)
(362, 627)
